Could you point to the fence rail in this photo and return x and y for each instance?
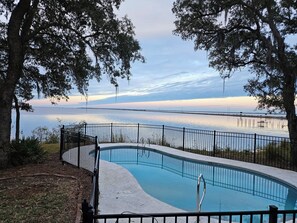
(74, 139)
(267, 150)
(261, 149)
(273, 215)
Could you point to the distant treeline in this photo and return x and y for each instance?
(216, 113)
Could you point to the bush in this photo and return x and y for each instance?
(44, 134)
(26, 151)
(278, 151)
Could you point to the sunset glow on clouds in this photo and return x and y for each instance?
(173, 76)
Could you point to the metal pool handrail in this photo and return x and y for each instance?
(94, 199)
(199, 201)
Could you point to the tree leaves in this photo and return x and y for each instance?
(68, 43)
(245, 33)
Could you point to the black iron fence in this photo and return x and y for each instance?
(273, 215)
(261, 149)
(72, 143)
(268, 150)
(71, 138)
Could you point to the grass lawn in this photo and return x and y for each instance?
(46, 192)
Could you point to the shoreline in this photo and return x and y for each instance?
(211, 113)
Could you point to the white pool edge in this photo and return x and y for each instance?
(121, 193)
(287, 176)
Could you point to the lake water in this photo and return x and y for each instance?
(53, 117)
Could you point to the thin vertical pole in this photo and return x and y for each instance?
(184, 133)
(85, 132)
(111, 138)
(96, 199)
(78, 150)
(273, 214)
(87, 212)
(96, 153)
(255, 147)
(96, 142)
(137, 132)
(61, 142)
(214, 143)
(163, 136)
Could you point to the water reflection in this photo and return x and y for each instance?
(267, 123)
(50, 117)
(252, 191)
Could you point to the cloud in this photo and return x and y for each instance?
(150, 17)
(173, 70)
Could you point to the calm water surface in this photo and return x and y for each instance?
(55, 116)
(173, 180)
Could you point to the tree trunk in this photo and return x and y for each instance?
(5, 126)
(292, 127)
(289, 105)
(17, 118)
(16, 45)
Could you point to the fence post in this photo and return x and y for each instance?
(78, 150)
(184, 133)
(85, 128)
(61, 141)
(96, 141)
(87, 216)
(163, 132)
(255, 147)
(214, 143)
(111, 138)
(272, 214)
(96, 152)
(137, 133)
(96, 198)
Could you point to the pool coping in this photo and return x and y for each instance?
(121, 193)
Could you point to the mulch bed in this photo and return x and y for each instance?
(47, 192)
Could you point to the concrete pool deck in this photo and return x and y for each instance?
(121, 193)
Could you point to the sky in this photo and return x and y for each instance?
(174, 73)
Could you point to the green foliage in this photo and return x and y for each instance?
(257, 35)
(77, 127)
(45, 135)
(72, 41)
(118, 138)
(274, 151)
(26, 151)
(48, 47)
(240, 34)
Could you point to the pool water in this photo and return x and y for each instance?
(173, 180)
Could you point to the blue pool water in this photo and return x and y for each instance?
(173, 180)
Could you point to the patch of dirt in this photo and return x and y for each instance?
(47, 192)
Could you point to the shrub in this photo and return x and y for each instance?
(26, 151)
(44, 134)
(278, 151)
(118, 138)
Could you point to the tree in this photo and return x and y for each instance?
(23, 94)
(257, 34)
(48, 46)
(18, 106)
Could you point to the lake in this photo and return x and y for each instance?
(53, 117)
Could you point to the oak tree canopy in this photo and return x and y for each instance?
(256, 34)
(49, 46)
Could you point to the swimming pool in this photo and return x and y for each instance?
(173, 180)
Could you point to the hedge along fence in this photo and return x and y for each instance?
(261, 149)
